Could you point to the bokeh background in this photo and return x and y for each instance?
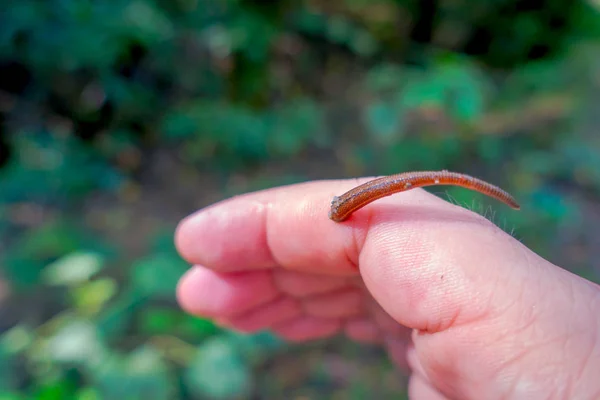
(118, 118)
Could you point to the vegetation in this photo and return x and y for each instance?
(120, 117)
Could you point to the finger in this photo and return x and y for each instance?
(299, 284)
(227, 236)
(458, 280)
(362, 330)
(340, 304)
(287, 226)
(386, 323)
(420, 388)
(208, 293)
(307, 328)
(413, 361)
(437, 266)
(264, 316)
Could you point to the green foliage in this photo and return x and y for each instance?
(31, 253)
(117, 118)
(218, 372)
(140, 374)
(383, 119)
(49, 168)
(157, 274)
(73, 268)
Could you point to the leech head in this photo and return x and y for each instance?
(334, 206)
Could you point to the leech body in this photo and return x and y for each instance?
(343, 206)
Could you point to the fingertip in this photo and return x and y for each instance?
(183, 289)
(226, 237)
(183, 239)
(208, 293)
(286, 226)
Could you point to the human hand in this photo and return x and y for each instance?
(473, 312)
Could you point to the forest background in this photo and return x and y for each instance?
(118, 118)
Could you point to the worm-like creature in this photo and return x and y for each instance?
(343, 206)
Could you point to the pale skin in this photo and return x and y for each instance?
(471, 312)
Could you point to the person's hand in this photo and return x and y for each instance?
(474, 313)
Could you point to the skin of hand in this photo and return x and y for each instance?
(468, 309)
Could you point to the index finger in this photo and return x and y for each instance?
(289, 227)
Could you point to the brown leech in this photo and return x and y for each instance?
(343, 206)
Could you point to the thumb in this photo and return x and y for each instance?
(489, 315)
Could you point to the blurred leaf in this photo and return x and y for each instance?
(198, 328)
(142, 374)
(90, 297)
(218, 372)
(16, 339)
(363, 43)
(253, 34)
(48, 168)
(73, 268)
(412, 154)
(466, 89)
(11, 396)
(467, 104)
(255, 348)
(423, 92)
(163, 242)
(55, 390)
(228, 130)
(146, 22)
(539, 162)
(339, 29)
(9, 373)
(49, 240)
(180, 125)
(585, 158)
(29, 256)
(552, 204)
(385, 77)
(492, 149)
(157, 321)
(20, 16)
(294, 126)
(88, 394)
(113, 321)
(384, 120)
(77, 342)
(455, 84)
(158, 274)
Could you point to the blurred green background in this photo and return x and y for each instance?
(118, 118)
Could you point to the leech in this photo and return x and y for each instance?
(343, 206)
